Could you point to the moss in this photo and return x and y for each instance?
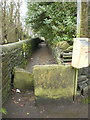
(53, 93)
(23, 79)
(54, 81)
(13, 46)
(24, 47)
(63, 45)
(69, 48)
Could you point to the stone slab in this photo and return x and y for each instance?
(23, 79)
(54, 81)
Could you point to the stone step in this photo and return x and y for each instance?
(66, 60)
(67, 54)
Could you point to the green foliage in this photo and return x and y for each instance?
(3, 110)
(55, 21)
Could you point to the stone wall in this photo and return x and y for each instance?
(14, 54)
(59, 48)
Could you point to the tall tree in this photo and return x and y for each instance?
(11, 25)
(55, 21)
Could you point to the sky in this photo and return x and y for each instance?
(23, 10)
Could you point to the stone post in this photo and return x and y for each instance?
(82, 19)
(89, 19)
(0, 62)
(0, 24)
(82, 30)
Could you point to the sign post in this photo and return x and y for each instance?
(81, 54)
(82, 32)
(75, 83)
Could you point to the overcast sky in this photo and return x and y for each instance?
(23, 9)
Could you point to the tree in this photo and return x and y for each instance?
(11, 24)
(55, 21)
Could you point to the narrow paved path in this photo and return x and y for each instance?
(22, 105)
(42, 56)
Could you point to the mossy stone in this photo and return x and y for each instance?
(70, 48)
(63, 45)
(23, 79)
(54, 81)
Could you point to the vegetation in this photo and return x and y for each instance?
(10, 20)
(55, 21)
(3, 110)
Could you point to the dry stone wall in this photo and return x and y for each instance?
(15, 54)
(59, 48)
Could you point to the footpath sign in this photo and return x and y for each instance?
(81, 53)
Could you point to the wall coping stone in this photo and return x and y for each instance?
(11, 46)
